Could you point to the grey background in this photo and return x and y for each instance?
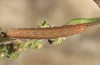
(81, 49)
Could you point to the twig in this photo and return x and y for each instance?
(97, 2)
(7, 42)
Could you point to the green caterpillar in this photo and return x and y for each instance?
(82, 20)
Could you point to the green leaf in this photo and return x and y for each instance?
(82, 20)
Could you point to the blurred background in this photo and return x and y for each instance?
(81, 49)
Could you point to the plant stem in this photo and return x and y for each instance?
(97, 2)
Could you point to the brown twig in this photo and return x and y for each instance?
(47, 33)
(5, 43)
(97, 2)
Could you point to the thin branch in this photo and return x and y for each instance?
(97, 2)
(14, 41)
(47, 33)
(7, 42)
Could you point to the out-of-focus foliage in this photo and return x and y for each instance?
(12, 51)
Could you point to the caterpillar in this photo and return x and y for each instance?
(47, 33)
